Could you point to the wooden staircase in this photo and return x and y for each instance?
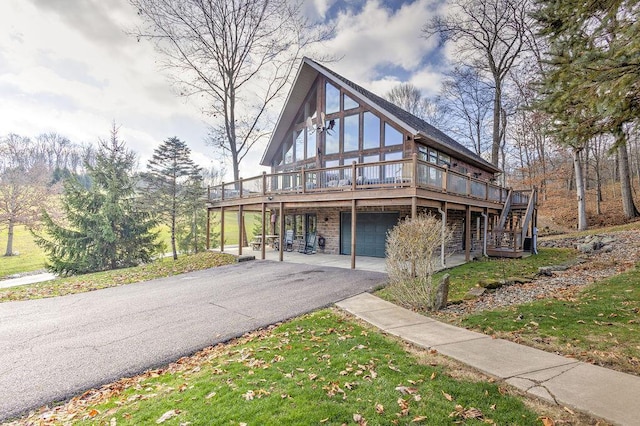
(512, 234)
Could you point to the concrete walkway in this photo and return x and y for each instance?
(27, 279)
(598, 391)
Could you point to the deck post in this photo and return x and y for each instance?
(467, 234)
(414, 165)
(353, 175)
(208, 228)
(222, 191)
(240, 229)
(263, 240)
(353, 234)
(221, 229)
(414, 207)
(264, 183)
(445, 178)
(443, 213)
(281, 236)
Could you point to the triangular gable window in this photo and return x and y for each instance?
(350, 103)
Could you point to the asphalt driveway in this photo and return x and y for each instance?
(53, 349)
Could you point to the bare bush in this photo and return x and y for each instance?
(411, 263)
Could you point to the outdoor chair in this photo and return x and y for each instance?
(309, 245)
(288, 240)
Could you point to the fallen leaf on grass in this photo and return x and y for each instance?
(447, 396)
(419, 419)
(568, 410)
(358, 418)
(168, 415)
(406, 390)
(211, 395)
(93, 413)
(546, 421)
(379, 408)
(249, 395)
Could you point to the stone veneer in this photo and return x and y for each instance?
(329, 225)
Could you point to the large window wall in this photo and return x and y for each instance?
(333, 129)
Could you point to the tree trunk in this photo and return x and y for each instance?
(173, 236)
(9, 251)
(629, 208)
(497, 116)
(582, 205)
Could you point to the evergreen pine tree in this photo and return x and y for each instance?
(174, 185)
(105, 226)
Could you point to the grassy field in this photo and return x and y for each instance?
(231, 226)
(30, 258)
(322, 368)
(600, 325)
(163, 267)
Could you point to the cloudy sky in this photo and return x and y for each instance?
(67, 66)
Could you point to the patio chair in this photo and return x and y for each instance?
(309, 246)
(288, 240)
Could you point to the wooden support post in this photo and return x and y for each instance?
(264, 183)
(208, 229)
(353, 234)
(414, 207)
(414, 170)
(445, 178)
(467, 234)
(263, 239)
(221, 229)
(240, 230)
(281, 236)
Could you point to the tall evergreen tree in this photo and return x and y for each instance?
(105, 226)
(593, 67)
(171, 178)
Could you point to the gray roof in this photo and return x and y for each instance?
(307, 74)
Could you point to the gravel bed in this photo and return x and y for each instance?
(599, 265)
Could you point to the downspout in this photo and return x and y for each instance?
(444, 228)
(484, 239)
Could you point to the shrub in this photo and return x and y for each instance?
(411, 263)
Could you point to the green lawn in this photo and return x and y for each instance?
(601, 324)
(251, 219)
(319, 369)
(30, 258)
(162, 267)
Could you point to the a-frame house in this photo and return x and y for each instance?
(347, 165)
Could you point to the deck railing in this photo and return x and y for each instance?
(409, 172)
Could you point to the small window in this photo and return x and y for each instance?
(311, 143)
(299, 135)
(332, 136)
(444, 159)
(350, 103)
(433, 156)
(351, 133)
(391, 136)
(371, 131)
(332, 98)
(288, 155)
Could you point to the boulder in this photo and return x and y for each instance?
(475, 292)
(442, 293)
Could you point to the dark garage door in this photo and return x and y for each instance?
(371, 232)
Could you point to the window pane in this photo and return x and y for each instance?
(351, 133)
(350, 103)
(391, 136)
(311, 143)
(332, 98)
(299, 145)
(393, 172)
(423, 153)
(288, 156)
(348, 162)
(370, 174)
(332, 136)
(444, 159)
(371, 137)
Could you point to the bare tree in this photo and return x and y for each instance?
(237, 54)
(490, 35)
(23, 185)
(468, 100)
